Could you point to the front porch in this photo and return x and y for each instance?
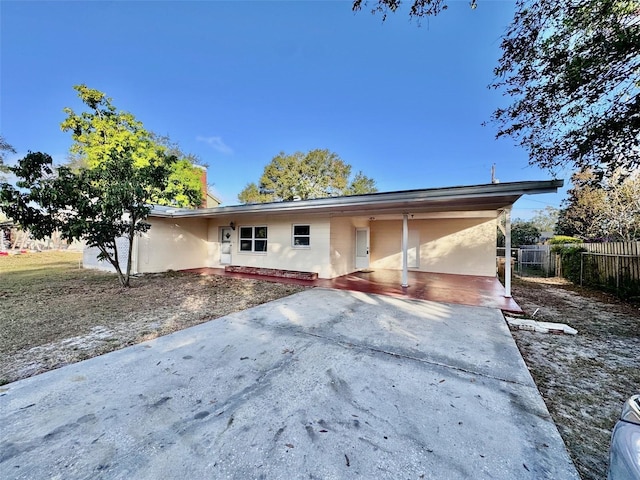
(437, 287)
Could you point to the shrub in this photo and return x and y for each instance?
(563, 240)
(570, 256)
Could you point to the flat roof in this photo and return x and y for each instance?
(491, 196)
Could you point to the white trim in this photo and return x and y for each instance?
(293, 236)
(253, 240)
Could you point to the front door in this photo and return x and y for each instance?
(225, 245)
(362, 248)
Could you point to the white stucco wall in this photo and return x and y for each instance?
(464, 246)
(172, 244)
(90, 257)
(280, 254)
(443, 245)
(343, 244)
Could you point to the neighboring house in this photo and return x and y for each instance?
(211, 200)
(444, 230)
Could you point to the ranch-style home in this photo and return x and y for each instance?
(441, 230)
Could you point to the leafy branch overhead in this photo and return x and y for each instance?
(315, 174)
(570, 72)
(418, 8)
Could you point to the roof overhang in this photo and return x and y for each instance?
(492, 196)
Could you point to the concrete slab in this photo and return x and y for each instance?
(323, 384)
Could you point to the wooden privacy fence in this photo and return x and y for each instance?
(613, 266)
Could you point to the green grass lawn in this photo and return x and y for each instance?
(32, 272)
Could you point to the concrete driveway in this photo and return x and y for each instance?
(323, 384)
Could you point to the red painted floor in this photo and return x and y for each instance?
(437, 287)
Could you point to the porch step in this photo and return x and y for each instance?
(272, 272)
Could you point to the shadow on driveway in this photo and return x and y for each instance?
(321, 384)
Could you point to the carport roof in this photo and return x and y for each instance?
(492, 196)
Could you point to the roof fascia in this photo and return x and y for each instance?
(373, 200)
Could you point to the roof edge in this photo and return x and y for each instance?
(373, 199)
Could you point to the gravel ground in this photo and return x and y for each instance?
(584, 379)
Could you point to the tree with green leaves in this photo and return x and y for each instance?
(522, 233)
(570, 72)
(315, 174)
(101, 130)
(106, 196)
(4, 149)
(97, 205)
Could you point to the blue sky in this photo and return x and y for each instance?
(238, 82)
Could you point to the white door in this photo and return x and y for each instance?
(226, 235)
(362, 248)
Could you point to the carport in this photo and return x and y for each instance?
(468, 290)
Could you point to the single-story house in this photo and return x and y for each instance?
(443, 230)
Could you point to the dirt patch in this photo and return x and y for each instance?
(583, 379)
(52, 313)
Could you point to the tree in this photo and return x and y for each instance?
(4, 148)
(173, 149)
(622, 208)
(419, 8)
(103, 130)
(545, 220)
(582, 213)
(596, 210)
(522, 233)
(107, 195)
(361, 184)
(570, 71)
(98, 205)
(315, 174)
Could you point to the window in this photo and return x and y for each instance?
(301, 235)
(253, 239)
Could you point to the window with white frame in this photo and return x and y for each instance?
(253, 239)
(301, 236)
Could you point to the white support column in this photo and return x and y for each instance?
(405, 243)
(507, 252)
